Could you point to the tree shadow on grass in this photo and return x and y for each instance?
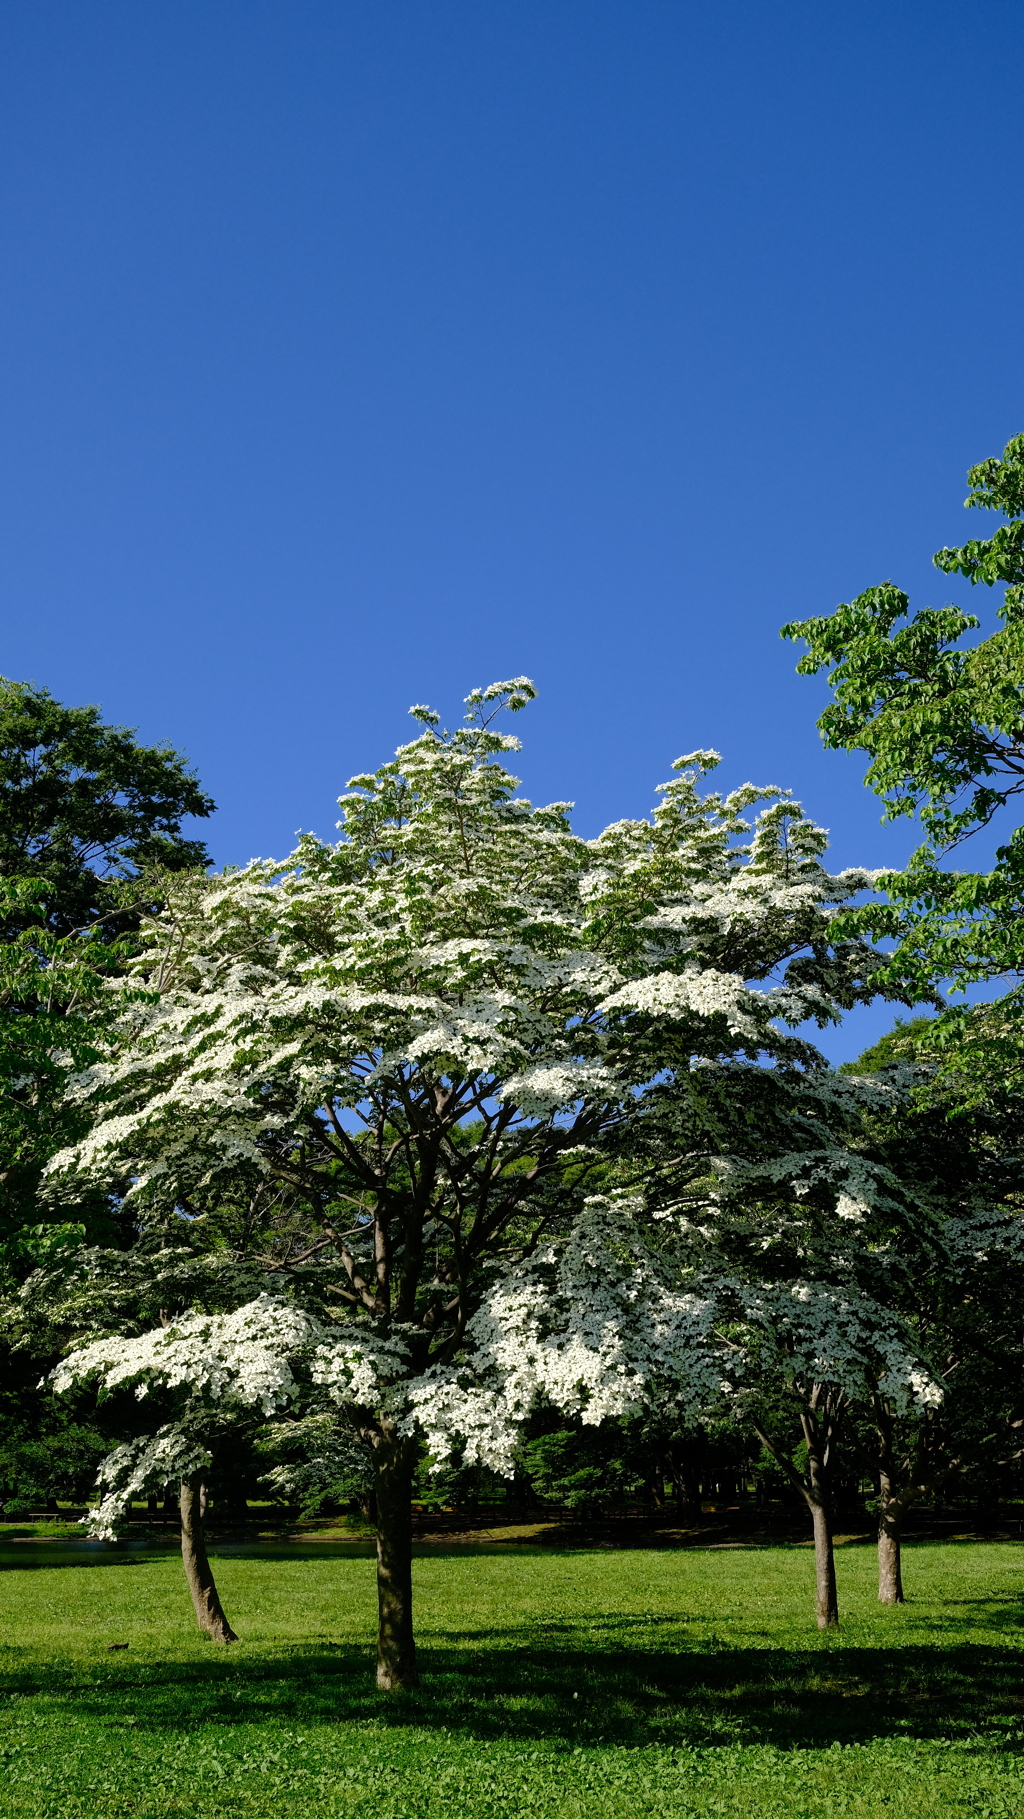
(549, 1690)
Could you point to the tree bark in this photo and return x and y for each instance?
(208, 1608)
(825, 1567)
(394, 1462)
(818, 1435)
(890, 1525)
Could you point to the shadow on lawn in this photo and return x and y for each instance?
(478, 1686)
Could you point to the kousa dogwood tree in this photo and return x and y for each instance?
(956, 1280)
(437, 1033)
(781, 1205)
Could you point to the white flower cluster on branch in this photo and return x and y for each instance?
(138, 1469)
(244, 1355)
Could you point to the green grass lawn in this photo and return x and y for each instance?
(588, 1683)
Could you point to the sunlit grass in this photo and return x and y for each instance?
(590, 1683)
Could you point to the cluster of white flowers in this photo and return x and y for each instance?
(595, 1326)
(362, 1364)
(706, 993)
(138, 1469)
(244, 1355)
(549, 1087)
(823, 1335)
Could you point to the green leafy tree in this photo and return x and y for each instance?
(90, 826)
(942, 723)
(84, 805)
(589, 1471)
(54, 1007)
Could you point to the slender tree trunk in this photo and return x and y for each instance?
(892, 1507)
(819, 1420)
(818, 1423)
(208, 1608)
(825, 1568)
(890, 1527)
(394, 1462)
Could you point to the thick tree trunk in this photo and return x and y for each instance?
(394, 1461)
(208, 1608)
(825, 1567)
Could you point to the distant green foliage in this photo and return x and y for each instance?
(38, 1466)
(898, 1044)
(590, 1471)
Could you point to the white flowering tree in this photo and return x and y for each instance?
(435, 1033)
(781, 1206)
(955, 1279)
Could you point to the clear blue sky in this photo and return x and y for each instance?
(354, 355)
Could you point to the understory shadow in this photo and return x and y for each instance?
(556, 1686)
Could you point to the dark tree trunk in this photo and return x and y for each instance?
(394, 1462)
(208, 1608)
(688, 1492)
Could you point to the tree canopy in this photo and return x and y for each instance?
(942, 724)
(436, 1036)
(83, 804)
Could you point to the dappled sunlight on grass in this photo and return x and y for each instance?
(675, 1683)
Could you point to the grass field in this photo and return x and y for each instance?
(589, 1683)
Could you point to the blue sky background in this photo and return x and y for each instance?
(356, 355)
